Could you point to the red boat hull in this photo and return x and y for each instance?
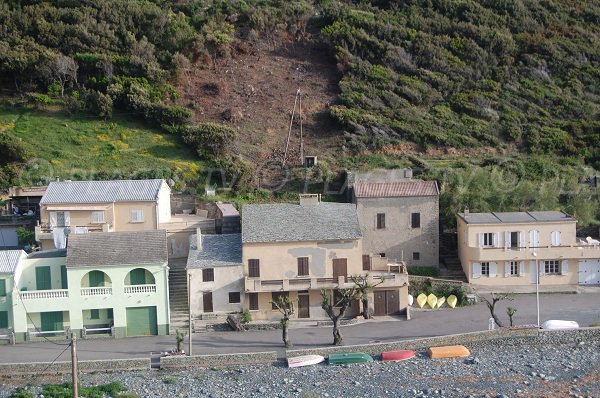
(397, 355)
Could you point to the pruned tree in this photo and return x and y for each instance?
(285, 305)
(363, 286)
(510, 311)
(62, 70)
(492, 305)
(339, 300)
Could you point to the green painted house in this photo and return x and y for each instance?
(104, 283)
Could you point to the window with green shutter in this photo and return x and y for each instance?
(63, 277)
(138, 276)
(2, 287)
(43, 280)
(3, 319)
(96, 278)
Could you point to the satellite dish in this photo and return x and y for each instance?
(411, 299)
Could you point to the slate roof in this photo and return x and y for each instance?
(293, 222)
(102, 191)
(530, 217)
(9, 259)
(395, 189)
(227, 209)
(98, 249)
(217, 251)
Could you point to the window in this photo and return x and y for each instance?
(253, 300)
(487, 239)
(551, 267)
(382, 255)
(234, 297)
(514, 240)
(3, 319)
(485, 269)
(95, 314)
(415, 220)
(2, 287)
(137, 276)
(514, 268)
(366, 262)
(302, 266)
(380, 220)
(137, 215)
(275, 296)
(208, 275)
(416, 256)
(60, 219)
(555, 238)
(254, 268)
(98, 217)
(96, 278)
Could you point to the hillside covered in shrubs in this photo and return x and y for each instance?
(513, 84)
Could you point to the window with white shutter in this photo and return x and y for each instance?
(534, 238)
(564, 267)
(507, 269)
(521, 268)
(555, 238)
(493, 270)
(476, 270)
(137, 215)
(98, 217)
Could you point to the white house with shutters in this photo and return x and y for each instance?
(506, 249)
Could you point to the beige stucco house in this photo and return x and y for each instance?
(398, 215)
(215, 273)
(299, 249)
(505, 249)
(101, 206)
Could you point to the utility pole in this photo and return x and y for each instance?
(190, 314)
(74, 366)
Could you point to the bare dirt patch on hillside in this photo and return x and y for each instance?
(254, 91)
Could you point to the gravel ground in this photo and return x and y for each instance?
(500, 368)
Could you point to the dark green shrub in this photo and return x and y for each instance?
(210, 139)
(20, 392)
(424, 271)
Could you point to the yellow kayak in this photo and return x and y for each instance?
(421, 300)
(452, 300)
(440, 301)
(432, 300)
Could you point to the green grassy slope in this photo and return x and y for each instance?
(80, 147)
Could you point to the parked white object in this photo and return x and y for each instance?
(411, 299)
(555, 324)
(305, 360)
(591, 241)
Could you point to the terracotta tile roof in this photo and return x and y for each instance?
(396, 189)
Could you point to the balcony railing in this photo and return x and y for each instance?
(575, 251)
(44, 294)
(96, 291)
(306, 283)
(134, 289)
(44, 231)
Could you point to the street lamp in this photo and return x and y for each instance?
(537, 288)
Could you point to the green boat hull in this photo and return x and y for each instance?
(346, 358)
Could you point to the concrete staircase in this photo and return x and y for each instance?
(450, 267)
(178, 295)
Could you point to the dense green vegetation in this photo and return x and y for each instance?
(467, 73)
(519, 76)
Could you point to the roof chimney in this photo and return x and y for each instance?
(198, 239)
(466, 212)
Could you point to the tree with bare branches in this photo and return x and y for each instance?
(492, 304)
(339, 300)
(62, 69)
(285, 305)
(363, 286)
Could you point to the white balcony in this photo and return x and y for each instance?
(576, 251)
(44, 294)
(137, 289)
(96, 291)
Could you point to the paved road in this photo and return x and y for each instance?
(583, 308)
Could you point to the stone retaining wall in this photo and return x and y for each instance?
(83, 366)
(222, 360)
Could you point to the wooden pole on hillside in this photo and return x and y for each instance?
(74, 376)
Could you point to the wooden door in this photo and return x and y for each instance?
(303, 305)
(392, 302)
(141, 321)
(43, 280)
(207, 301)
(340, 267)
(379, 302)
